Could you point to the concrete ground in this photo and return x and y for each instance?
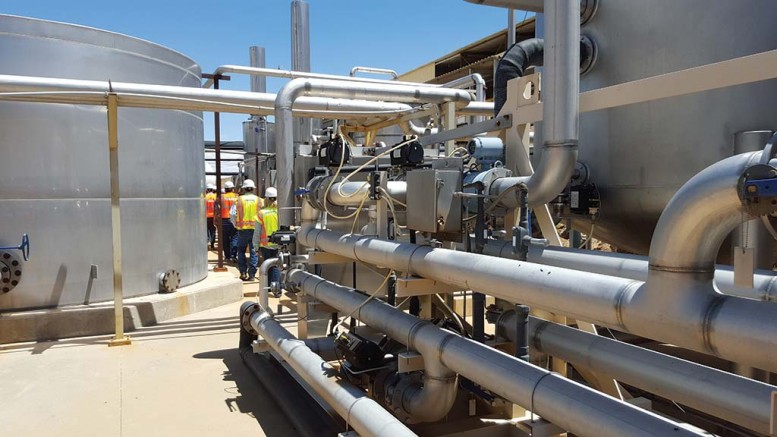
(180, 377)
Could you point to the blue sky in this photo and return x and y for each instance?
(398, 34)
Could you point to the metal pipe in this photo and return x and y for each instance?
(560, 110)
(256, 57)
(567, 404)
(631, 267)
(336, 89)
(300, 60)
(694, 317)
(524, 5)
(134, 95)
(264, 285)
(510, 28)
(373, 70)
(292, 74)
(217, 216)
(365, 415)
(730, 397)
(428, 403)
(691, 229)
(352, 193)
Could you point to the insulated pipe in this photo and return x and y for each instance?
(90, 92)
(365, 415)
(631, 267)
(565, 403)
(730, 397)
(373, 70)
(514, 63)
(694, 317)
(434, 399)
(354, 192)
(336, 89)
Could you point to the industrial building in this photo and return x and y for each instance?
(567, 227)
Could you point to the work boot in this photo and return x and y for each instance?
(243, 276)
(252, 278)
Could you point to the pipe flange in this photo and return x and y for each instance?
(169, 281)
(10, 271)
(397, 392)
(246, 311)
(588, 9)
(316, 191)
(589, 53)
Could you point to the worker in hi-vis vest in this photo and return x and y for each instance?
(266, 225)
(246, 208)
(228, 200)
(210, 208)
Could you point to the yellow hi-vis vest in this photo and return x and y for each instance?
(268, 219)
(247, 207)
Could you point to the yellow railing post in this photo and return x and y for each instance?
(119, 338)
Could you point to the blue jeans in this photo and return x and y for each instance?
(227, 243)
(274, 274)
(245, 239)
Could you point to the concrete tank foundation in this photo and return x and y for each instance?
(97, 319)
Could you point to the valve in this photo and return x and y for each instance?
(757, 189)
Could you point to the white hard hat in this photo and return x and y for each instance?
(229, 184)
(248, 183)
(271, 192)
(211, 187)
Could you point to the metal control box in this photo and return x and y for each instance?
(432, 203)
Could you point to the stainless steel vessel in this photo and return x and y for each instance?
(639, 155)
(54, 181)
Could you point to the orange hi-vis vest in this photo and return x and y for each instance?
(247, 207)
(227, 200)
(210, 204)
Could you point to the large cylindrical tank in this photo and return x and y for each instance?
(640, 155)
(54, 178)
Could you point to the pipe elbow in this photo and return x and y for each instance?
(553, 174)
(431, 401)
(290, 92)
(461, 98)
(692, 228)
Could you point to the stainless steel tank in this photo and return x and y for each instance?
(639, 155)
(54, 180)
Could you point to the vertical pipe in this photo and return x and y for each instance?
(300, 58)
(256, 56)
(510, 28)
(522, 332)
(478, 317)
(118, 287)
(219, 223)
(561, 78)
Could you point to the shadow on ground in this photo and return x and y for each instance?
(249, 396)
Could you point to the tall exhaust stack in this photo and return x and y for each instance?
(255, 129)
(300, 59)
